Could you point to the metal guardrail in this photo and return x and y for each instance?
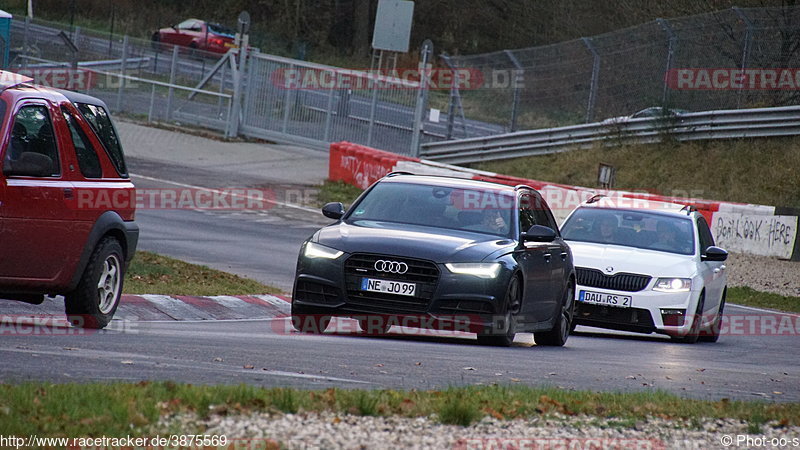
(707, 125)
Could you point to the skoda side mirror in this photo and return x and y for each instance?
(713, 253)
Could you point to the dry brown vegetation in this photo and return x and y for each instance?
(762, 171)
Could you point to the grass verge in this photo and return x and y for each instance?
(337, 191)
(93, 409)
(750, 297)
(150, 273)
(762, 171)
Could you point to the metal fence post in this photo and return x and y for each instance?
(329, 111)
(248, 92)
(121, 90)
(236, 107)
(451, 106)
(76, 36)
(672, 43)
(595, 75)
(422, 96)
(25, 41)
(171, 91)
(748, 43)
(152, 104)
(286, 103)
(373, 105)
(221, 88)
(518, 74)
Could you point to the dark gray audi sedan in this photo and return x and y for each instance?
(439, 253)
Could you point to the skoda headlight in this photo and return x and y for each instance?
(313, 250)
(480, 270)
(673, 285)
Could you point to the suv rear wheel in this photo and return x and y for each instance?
(93, 303)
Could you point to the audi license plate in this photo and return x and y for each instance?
(388, 287)
(599, 298)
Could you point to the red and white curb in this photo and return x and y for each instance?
(219, 307)
(171, 308)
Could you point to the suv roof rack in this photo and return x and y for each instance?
(523, 186)
(689, 209)
(595, 198)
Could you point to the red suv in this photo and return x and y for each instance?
(66, 201)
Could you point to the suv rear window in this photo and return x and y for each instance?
(101, 124)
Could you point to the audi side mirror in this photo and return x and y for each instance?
(538, 233)
(333, 210)
(713, 253)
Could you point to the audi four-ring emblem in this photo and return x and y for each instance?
(391, 266)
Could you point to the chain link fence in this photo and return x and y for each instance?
(141, 78)
(622, 72)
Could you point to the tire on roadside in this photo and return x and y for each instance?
(93, 303)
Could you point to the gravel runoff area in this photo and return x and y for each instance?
(764, 274)
(328, 430)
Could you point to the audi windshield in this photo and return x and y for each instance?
(481, 211)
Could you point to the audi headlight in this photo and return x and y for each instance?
(673, 285)
(480, 270)
(313, 250)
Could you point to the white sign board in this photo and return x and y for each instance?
(393, 25)
(755, 234)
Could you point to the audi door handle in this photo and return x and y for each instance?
(563, 256)
(723, 267)
(547, 257)
(717, 270)
(67, 192)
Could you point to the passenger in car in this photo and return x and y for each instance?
(606, 229)
(493, 221)
(666, 237)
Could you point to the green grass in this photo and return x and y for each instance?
(762, 171)
(750, 297)
(337, 191)
(74, 410)
(150, 273)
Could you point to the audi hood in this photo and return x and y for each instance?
(631, 260)
(413, 241)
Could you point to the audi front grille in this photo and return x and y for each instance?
(424, 273)
(628, 282)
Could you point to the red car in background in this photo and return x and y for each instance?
(198, 35)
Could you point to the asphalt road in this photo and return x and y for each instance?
(748, 364)
(261, 244)
(264, 353)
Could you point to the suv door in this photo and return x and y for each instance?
(713, 272)
(40, 240)
(536, 260)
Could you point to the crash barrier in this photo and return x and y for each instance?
(741, 228)
(706, 125)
